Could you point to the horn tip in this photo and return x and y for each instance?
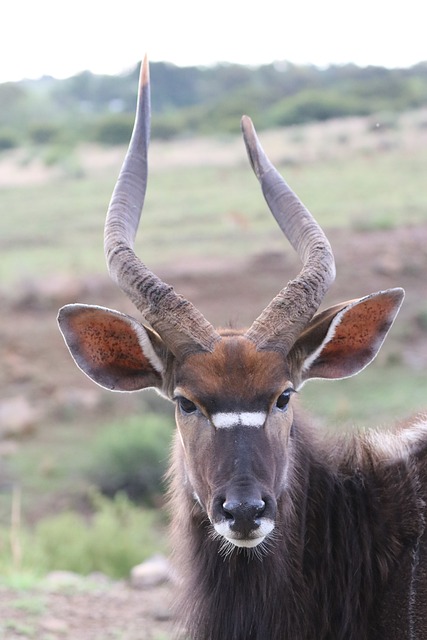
(253, 148)
(144, 78)
(247, 126)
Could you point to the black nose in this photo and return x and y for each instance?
(243, 516)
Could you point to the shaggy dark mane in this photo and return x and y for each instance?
(342, 530)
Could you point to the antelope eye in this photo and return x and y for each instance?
(186, 405)
(283, 400)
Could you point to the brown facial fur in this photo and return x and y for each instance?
(244, 461)
(235, 376)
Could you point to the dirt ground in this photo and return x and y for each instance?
(35, 365)
(106, 612)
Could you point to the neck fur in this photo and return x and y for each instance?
(323, 571)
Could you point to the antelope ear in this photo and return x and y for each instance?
(113, 349)
(341, 341)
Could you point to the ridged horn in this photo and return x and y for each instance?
(181, 326)
(285, 317)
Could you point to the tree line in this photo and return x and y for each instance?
(202, 100)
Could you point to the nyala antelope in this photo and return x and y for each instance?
(279, 532)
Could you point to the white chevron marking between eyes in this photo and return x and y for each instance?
(236, 419)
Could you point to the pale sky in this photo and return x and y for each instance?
(47, 37)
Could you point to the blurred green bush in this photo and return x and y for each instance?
(116, 537)
(8, 139)
(131, 457)
(113, 129)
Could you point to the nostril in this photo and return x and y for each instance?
(229, 508)
(236, 510)
(258, 508)
(228, 514)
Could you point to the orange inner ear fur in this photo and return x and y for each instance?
(107, 347)
(356, 331)
(359, 328)
(109, 342)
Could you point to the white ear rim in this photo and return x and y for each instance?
(329, 335)
(145, 342)
(333, 327)
(142, 334)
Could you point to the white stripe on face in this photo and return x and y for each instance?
(236, 419)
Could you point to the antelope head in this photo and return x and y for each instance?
(233, 390)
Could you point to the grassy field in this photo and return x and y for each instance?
(350, 174)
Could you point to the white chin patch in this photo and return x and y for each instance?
(259, 534)
(246, 543)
